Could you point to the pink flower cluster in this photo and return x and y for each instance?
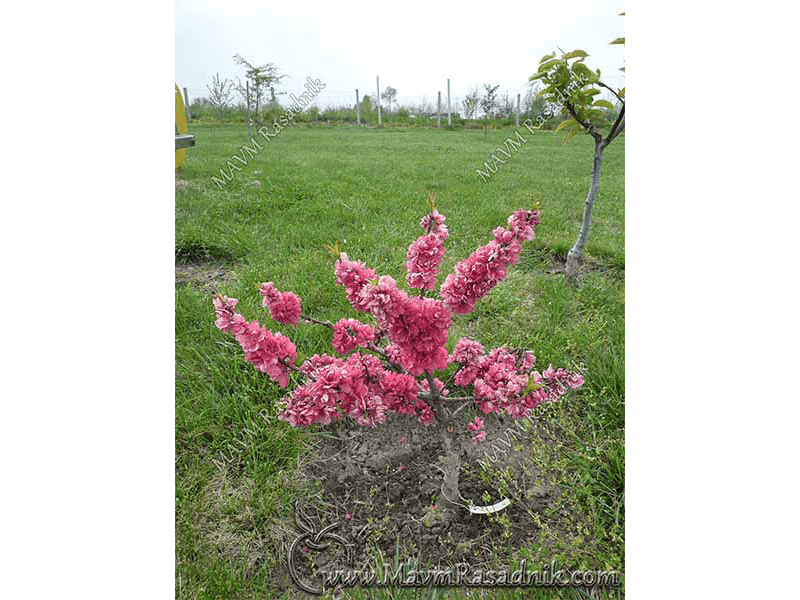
(505, 380)
(475, 276)
(358, 387)
(434, 223)
(422, 261)
(417, 327)
(467, 353)
(560, 381)
(425, 254)
(476, 426)
(353, 275)
(270, 353)
(350, 333)
(284, 307)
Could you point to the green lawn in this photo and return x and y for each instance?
(366, 189)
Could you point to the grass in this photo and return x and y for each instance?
(366, 189)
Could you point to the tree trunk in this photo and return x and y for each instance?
(450, 502)
(452, 470)
(576, 253)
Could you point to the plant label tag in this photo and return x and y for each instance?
(485, 510)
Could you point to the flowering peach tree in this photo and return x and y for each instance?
(390, 364)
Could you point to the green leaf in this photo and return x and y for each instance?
(622, 93)
(583, 72)
(566, 123)
(531, 385)
(619, 41)
(622, 14)
(603, 104)
(594, 115)
(537, 76)
(575, 54)
(547, 57)
(548, 64)
(592, 92)
(622, 69)
(548, 90)
(570, 134)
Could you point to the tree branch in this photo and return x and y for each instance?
(327, 324)
(600, 83)
(291, 367)
(618, 126)
(585, 124)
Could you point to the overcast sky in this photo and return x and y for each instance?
(413, 46)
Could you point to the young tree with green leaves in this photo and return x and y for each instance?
(571, 84)
(389, 95)
(262, 79)
(488, 102)
(470, 103)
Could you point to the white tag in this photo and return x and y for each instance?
(483, 510)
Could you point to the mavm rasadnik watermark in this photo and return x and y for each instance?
(464, 575)
(405, 575)
(249, 151)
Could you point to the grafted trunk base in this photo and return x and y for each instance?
(573, 266)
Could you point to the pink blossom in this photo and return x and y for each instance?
(383, 299)
(575, 381)
(306, 406)
(467, 352)
(269, 352)
(483, 269)
(350, 333)
(522, 223)
(226, 315)
(401, 468)
(527, 362)
(426, 415)
(434, 223)
(465, 376)
(313, 365)
(393, 353)
(418, 326)
(400, 392)
(347, 516)
(475, 425)
(269, 293)
(439, 386)
(353, 276)
(284, 307)
(475, 277)
(422, 261)
(360, 386)
(503, 235)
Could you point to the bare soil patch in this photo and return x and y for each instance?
(206, 276)
(383, 488)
